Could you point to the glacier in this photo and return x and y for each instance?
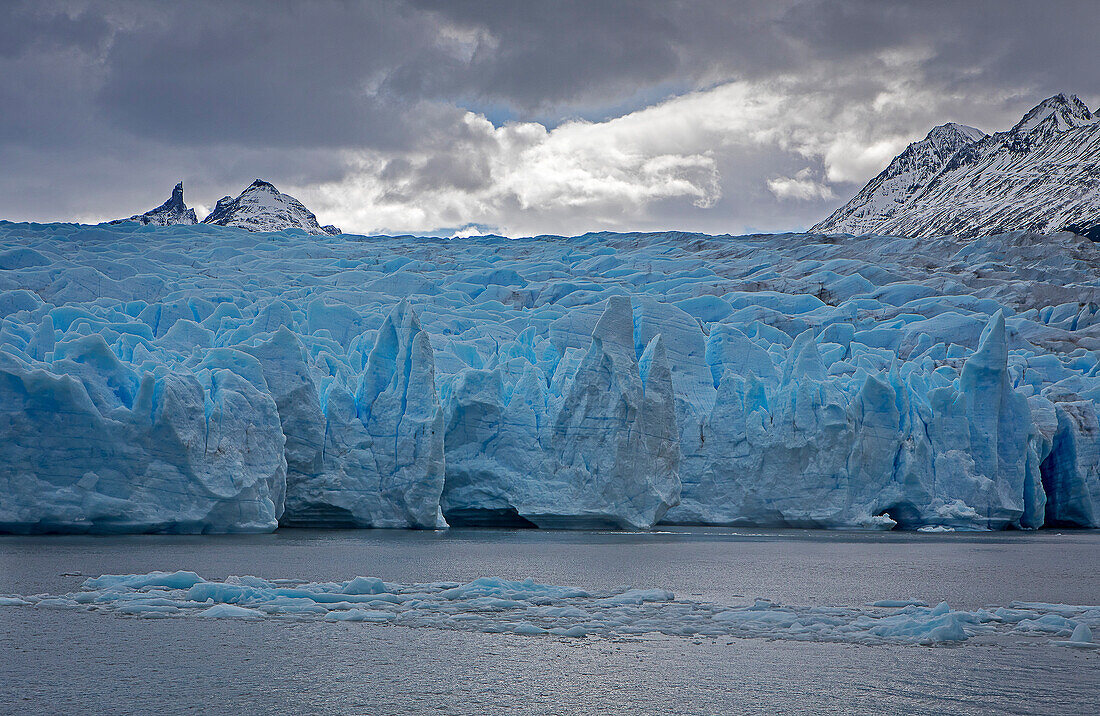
(202, 378)
(494, 605)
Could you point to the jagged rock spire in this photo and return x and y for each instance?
(172, 211)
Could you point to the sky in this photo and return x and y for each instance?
(458, 117)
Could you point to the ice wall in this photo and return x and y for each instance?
(366, 452)
(91, 445)
(603, 452)
(869, 448)
(200, 378)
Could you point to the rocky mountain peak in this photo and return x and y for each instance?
(1058, 113)
(1039, 176)
(948, 138)
(262, 207)
(172, 211)
(176, 200)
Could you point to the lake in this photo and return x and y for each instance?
(57, 661)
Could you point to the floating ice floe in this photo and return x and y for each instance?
(494, 605)
(1080, 639)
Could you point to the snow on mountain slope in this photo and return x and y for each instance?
(1042, 175)
(171, 212)
(1055, 114)
(262, 207)
(204, 379)
(906, 175)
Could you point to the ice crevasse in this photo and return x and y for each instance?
(204, 379)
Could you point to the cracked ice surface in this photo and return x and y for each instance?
(206, 379)
(494, 605)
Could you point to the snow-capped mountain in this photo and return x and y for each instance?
(906, 176)
(1055, 114)
(1042, 175)
(262, 207)
(173, 211)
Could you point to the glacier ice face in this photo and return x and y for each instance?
(373, 456)
(199, 378)
(614, 456)
(603, 454)
(93, 446)
(1071, 468)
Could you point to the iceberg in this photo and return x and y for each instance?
(199, 378)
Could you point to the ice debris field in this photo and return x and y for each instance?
(494, 605)
(207, 379)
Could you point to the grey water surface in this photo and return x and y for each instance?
(68, 662)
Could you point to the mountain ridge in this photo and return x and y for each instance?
(1042, 175)
(260, 207)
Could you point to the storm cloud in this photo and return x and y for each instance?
(439, 116)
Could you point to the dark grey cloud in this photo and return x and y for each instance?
(546, 54)
(29, 25)
(106, 102)
(280, 73)
(560, 55)
(968, 43)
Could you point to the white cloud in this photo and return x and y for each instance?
(467, 231)
(635, 171)
(848, 159)
(801, 186)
